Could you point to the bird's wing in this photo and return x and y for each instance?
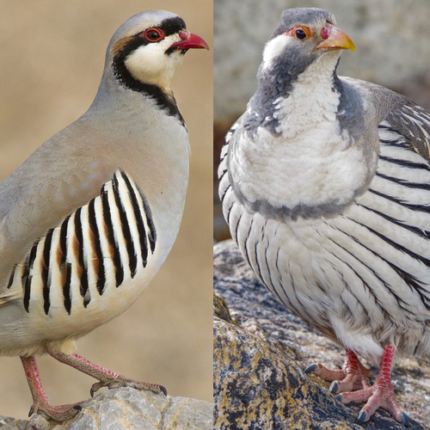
(391, 221)
(95, 241)
(47, 187)
(411, 122)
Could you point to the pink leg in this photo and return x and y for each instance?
(353, 375)
(380, 395)
(41, 403)
(106, 377)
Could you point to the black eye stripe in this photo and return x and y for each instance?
(172, 25)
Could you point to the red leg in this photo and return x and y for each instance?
(380, 395)
(41, 403)
(353, 375)
(106, 377)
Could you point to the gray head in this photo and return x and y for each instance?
(303, 36)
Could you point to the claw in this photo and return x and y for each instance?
(339, 398)
(31, 411)
(165, 391)
(405, 420)
(96, 387)
(334, 387)
(77, 407)
(362, 417)
(311, 368)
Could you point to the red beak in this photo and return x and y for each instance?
(190, 41)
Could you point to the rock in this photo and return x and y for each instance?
(7, 423)
(261, 349)
(127, 408)
(391, 41)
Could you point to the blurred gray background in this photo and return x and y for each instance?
(51, 61)
(392, 40)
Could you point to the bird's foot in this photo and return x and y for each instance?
(379, 395)
(57, 413)
(106, 377)
(376, 396)
(353, 375)
(41, 403)
(117, 383)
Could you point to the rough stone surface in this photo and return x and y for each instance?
(261, 349)
(391, 37)
(127, 408)
(7, 423)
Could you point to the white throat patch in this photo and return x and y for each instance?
(150, 64)
(273, 49)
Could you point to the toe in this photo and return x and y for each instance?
(334, 387)
(362, 417)
(311, 368)
(405, 420)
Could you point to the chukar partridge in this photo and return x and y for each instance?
(89, 218)
(325, 183)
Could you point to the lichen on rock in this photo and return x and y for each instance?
(260, 351)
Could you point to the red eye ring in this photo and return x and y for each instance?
(153, 34)
(299, 32)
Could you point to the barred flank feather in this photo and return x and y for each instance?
(368, 267)
(104, 242)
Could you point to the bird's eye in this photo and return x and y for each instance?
(301, 34)
(153, 34)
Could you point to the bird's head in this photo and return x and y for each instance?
(149, 47)
(304, 35)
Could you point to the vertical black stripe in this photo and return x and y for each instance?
(225, 192)
(12, 275)
(83, 288)
(101, 276)
(119, 270)
(66, 288)
(257, 262)
(139, 220)
(45, 271)
(245, 242)
(152, 235)
(63, 241)
(26, 278)
(229, 212)
(131, 251)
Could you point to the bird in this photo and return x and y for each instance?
(325, 185)
(89, 218)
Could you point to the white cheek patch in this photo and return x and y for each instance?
(150, 64)
(274, 48)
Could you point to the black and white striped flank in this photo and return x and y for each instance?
(377, 250)
(101, 244)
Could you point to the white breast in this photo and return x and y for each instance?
(312, 161)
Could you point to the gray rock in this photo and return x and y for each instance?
(391, 38)
(127, 408)
(253, 309)
(7, 423)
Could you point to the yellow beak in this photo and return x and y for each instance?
(337, 39)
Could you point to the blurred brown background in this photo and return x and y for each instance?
(51, 61)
